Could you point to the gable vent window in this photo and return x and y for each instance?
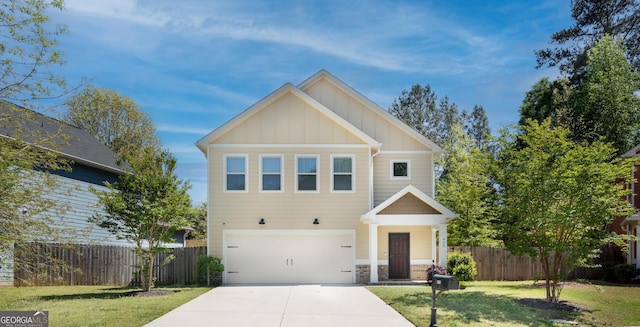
(342, 168)
(400, 169)
(307, 173)
(235, 167)
(271, 170)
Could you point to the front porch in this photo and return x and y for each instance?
(407, 234)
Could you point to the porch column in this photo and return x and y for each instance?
(434, 244)
(637, 246)
(373, 252)
(443, 244)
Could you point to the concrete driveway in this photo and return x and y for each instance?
(284, 306)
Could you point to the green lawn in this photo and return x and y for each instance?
(94, 305)
(495, 304)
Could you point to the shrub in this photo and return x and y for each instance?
(435, 269)
(209, 269)
(461, 266)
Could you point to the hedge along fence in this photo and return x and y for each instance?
(55, 264)
(500, 264)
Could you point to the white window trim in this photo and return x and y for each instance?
(224, 172)
(295, 186)
(353, 172)
(393, 161)
(281, 173)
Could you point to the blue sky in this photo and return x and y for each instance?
(194, 64)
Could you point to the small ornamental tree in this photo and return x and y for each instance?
(556, 197)
(146, 207)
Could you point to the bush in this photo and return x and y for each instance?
(624, 273)
(461, 266)
(209, 270)
(435, 269)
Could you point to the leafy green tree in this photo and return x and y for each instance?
(556, 197)
(605, 104)
(28, 54)
(198, 220)
(465, 188)
(476, 124)
(28, 51)
(146, 207)
(548, 99)
(594, 19)
(115, 120)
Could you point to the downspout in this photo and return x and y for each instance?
(371, 156)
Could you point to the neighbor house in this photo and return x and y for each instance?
(315, 183)
(631, 225)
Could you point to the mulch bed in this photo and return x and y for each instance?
(556, 306)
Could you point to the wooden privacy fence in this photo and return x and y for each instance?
(500, 264)
(53, 264)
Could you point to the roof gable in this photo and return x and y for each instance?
(401, 201)
(325, 76)
(286, 90)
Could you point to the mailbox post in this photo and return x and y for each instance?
(440, 283)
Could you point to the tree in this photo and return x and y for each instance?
(556, 196)
(593, 20)
(605, 104)
(146, 207)
(548, 99)
(198, 220)
(115, 120)
(476, 124)
(28, 52)
(465, 188)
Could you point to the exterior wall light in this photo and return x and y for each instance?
(261, 221)
(316, 222)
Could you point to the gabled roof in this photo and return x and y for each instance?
(287, 88)
(80, 147)
(444, 212)
(325, 75)
(632, 153)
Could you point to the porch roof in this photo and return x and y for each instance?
(389, 213)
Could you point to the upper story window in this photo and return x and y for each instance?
(235, 168)
(400, 169)
(271, 173)
(307, 173)
(342, 170)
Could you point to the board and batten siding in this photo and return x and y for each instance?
(420, 173)
(368, 120)
(288, 209)
(288, 120)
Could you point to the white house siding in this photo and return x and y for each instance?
(421, 174)
(288, 209)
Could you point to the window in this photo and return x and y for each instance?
(235, 167)
(342, 169)
(400, 169)
(307, 173)
(271, 173)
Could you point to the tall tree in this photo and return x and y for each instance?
(115, 120)
(606, 104)
(198, 220)
(146, 207)
(556, 196)
(476, 124)
(548, 99)
(592, 20)
(465, 188)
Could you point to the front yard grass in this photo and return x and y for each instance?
(485, 303)
(95, 305)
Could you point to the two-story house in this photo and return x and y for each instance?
(631, 225)
(315, 183)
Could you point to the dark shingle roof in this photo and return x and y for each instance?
(76, 144)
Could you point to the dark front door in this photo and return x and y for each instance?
(398, 255)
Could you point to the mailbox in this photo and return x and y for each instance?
(444, 283)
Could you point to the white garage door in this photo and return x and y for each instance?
(301, 256)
